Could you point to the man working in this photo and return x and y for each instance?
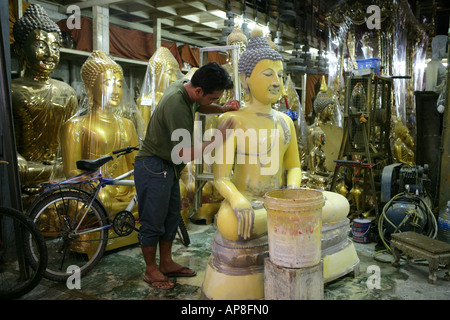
(157, 177)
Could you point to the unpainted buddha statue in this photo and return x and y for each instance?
(403, 145)
(162, 70)
(40, 104)
(98, 131)
(244, 171)
(435, 72)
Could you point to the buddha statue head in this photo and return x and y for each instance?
(37, 41)
(323, 103)
(237, 37)
(103, 80)
(261, 69)
(164, 68)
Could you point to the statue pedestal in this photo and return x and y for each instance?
(293, 284)
(235, 271)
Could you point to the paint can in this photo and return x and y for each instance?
(294, 227)
(360, 230)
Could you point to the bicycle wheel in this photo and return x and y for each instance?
(183, 234)
(17, 277)
(74, 235)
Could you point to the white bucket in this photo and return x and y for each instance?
(294, 227)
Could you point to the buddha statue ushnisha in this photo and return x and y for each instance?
(162, 70)
(97, 130)
(245, 170)
(40, 104)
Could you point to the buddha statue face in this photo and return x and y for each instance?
(266, 81)
(164, 67)
(107, 89)
(103, 80)
(41, 50)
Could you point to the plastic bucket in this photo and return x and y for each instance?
(294, 227)
(360, 230)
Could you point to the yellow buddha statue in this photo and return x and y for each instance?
(40, 104)
(99, 131)
(403, 145)
(162, 70)
(252, 161)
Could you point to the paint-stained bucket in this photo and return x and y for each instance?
(294, 227)
(360, 230)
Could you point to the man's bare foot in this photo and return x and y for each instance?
(157, 280)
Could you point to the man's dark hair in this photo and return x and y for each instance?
(211, 77)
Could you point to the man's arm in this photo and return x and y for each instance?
(230, 105)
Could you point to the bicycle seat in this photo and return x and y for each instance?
(94, 164)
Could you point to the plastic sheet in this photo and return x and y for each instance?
(99, 127)
(162, 70)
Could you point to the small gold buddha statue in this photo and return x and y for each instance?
(162, 70)
(239, 39)
(318, 175)
(324, 104)
(403, 145)
(40, 104)
(243, 174)
(99, 131)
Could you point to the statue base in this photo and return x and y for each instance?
(338, 251)
(235, 270)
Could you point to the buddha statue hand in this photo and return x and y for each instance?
(245, 217)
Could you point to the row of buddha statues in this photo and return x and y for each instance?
(53, 130)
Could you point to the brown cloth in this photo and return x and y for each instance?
(124, 43)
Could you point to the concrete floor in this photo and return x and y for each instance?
(119, 274)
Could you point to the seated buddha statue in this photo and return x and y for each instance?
(252, 161)
(98, 131)
(40, 104)
(403, 145)
(162, 70)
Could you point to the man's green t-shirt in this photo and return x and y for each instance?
(174, 111)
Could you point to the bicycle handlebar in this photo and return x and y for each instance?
(125, 150)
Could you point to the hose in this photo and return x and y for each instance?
(431, 233)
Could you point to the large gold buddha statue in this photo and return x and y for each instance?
(162, 70)
(252, 161)
(40, 104)
(98, 131)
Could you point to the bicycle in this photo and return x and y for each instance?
(74, 221)
(19, 234)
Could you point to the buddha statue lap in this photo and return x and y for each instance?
(40, 104)
(98, 130)
(245, 171)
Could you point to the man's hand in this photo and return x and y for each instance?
(231, 105)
